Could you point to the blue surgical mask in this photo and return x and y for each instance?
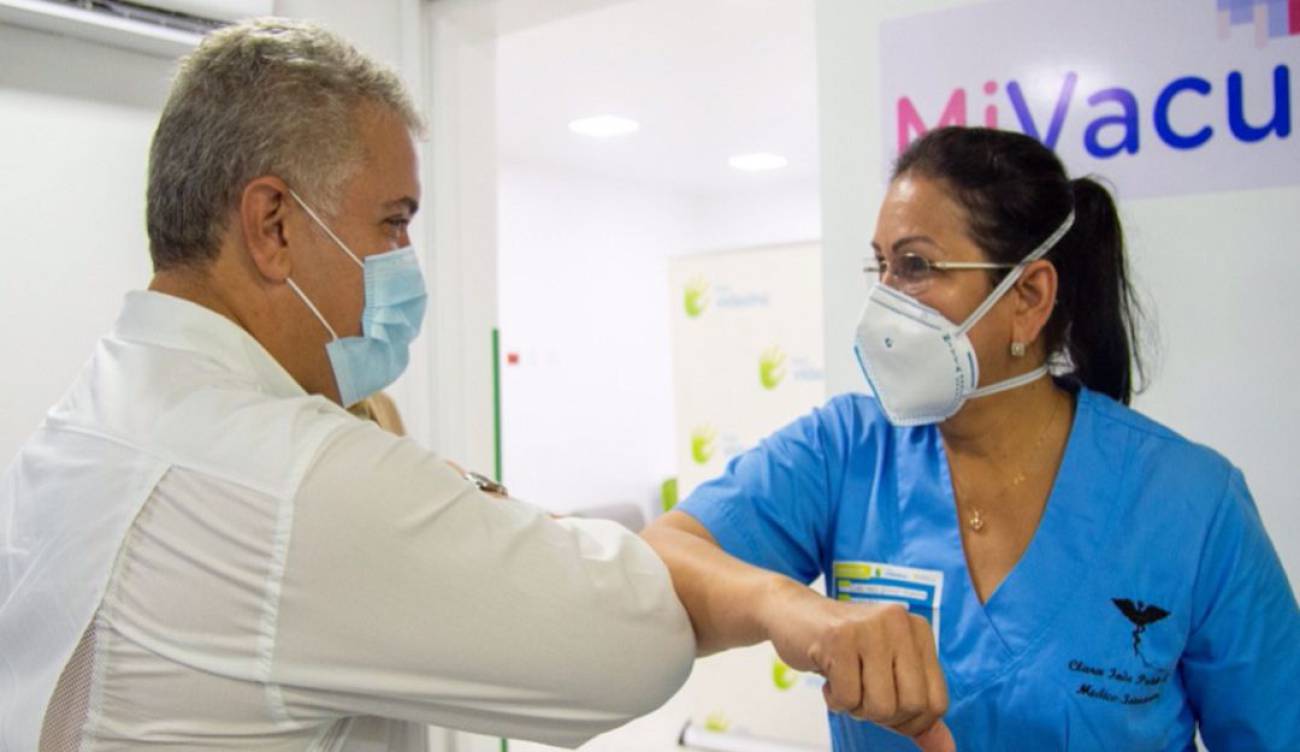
(395, 300)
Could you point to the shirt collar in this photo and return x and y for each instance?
(155, 318)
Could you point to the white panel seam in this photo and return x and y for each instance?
(271, 609)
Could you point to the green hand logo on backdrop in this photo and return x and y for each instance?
(771, 368)
(696, 298)
(668, 494)
(702, 444)
(783, 676)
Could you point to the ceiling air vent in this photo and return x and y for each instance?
(166, 28)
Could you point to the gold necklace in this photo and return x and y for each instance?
(976, 519)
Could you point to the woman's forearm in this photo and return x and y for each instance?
(730, 603)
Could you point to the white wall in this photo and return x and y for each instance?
(1212, 266)
(75, 123)
(587, 412)
(584, 302)
(761, 215)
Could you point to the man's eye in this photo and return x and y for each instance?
(397, 223)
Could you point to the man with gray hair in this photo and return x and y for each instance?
(200, 547)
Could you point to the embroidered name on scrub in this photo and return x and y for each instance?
(921, 590)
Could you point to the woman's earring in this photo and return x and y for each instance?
(1017, 349)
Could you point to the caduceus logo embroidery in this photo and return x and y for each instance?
(1141, 615)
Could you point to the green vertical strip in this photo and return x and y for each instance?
(496, 428)
(496, 401)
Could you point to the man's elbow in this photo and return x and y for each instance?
(661, 671)
(646, 666)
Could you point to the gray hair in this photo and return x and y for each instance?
(264, 97)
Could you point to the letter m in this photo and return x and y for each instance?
(911, 125)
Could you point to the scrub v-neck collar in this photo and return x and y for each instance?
(991, 638)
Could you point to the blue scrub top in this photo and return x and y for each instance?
(1149, 600)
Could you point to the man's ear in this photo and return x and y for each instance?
(263, 215)
(1035, 299)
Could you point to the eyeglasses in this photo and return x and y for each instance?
(913, 273)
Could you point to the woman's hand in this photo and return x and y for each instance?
(879, 661)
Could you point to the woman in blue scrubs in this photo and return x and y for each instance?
(1014, 559)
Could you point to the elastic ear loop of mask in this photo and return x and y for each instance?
(312, 307)
(997, 294)
(316, 218)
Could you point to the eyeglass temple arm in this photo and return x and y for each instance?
(970, 265)
(956, 265)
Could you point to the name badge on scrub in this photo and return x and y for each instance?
(921, 590)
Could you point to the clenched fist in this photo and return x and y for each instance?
(879, 661)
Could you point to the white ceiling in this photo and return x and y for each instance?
(706, 79)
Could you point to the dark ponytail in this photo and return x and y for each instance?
(1015, 193)
(1095, 322)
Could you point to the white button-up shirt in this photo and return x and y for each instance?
(196, 553)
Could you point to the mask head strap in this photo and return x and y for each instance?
(1012, 383)
(1015, 273)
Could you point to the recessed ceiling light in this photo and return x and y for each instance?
(604, 126)
(758, 162)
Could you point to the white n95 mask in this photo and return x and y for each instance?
(921, 366)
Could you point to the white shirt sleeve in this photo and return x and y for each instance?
(406, 593)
